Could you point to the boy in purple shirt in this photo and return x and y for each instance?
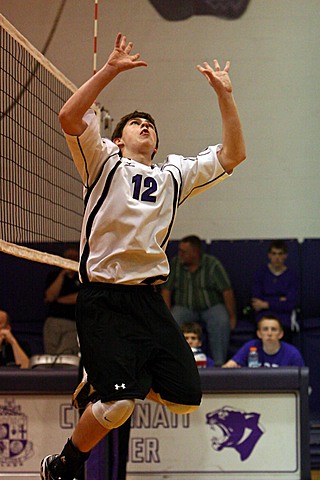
(275, 289)
(272, 352)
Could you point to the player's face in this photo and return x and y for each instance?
(192, 339)
(139, 133)
(277, 257)
(269, 331)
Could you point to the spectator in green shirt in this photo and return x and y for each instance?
(199, 290)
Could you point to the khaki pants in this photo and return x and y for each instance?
(60, 336)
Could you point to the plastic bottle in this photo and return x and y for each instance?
(253, 358)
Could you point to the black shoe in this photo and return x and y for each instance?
(52, 468)
(83, 394)
(44, 468)
(66, 466)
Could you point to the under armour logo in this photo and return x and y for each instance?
(123, 385)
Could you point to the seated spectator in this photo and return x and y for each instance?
(272, 351)
(193, 334)
(11, 351)
(199, 290)
(60, 331)
(275, 289)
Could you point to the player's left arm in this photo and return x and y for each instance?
(233, 151)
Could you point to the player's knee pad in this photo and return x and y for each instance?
(113, 414)
(179, 408)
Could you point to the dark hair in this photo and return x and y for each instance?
(194, 241)
(192, 327)
(117, 133)
(269, 317)
(279, 245)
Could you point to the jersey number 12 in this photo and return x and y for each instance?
(148, 188)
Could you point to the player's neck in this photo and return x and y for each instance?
(138, 156)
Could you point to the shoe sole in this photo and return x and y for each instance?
(43, 467)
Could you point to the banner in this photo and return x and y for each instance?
(31, 427)
(239, 436)
(242, 436)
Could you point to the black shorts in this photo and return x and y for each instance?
(130, 343)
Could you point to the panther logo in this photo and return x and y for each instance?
(235, 429)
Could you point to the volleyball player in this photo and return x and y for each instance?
(130, 344)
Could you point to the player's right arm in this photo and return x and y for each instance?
(233, 151)
(120, 60)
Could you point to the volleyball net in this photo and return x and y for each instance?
(40, 188)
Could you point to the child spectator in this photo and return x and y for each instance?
(193, 334)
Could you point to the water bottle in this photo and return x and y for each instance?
(253, 358)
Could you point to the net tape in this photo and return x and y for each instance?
(37, 256)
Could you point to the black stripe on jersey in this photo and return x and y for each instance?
(203, 185)
(163, 167)
(152, 280)
(174, 208)
(95, 210)
(89, 189)
(204, 152)
(84, 161)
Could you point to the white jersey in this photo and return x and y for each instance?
(130, 208)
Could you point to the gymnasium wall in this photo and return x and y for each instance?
(273, 48)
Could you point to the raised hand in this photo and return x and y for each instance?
(120, 58)
(218, 79)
